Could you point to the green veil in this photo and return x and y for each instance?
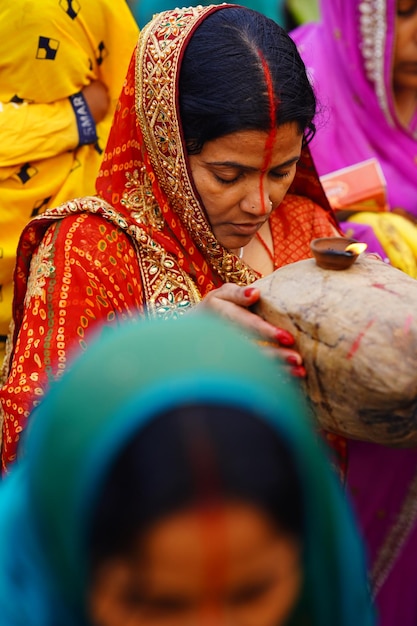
(126, 378)
(144, 10)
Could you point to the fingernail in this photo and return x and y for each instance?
(284, 337)
(299, 371)
(249, 292)
(292, 359)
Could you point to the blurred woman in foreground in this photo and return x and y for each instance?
(183, 494)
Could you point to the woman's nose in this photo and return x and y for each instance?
(256, 204)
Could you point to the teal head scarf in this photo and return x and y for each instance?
(144, 10)
(126, 379)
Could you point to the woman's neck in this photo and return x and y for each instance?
(259, 252)
(406, 105)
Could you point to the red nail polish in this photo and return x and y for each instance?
(291, 359)
(284, 337)
(299, 371)
(249, 292)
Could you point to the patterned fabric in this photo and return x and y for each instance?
(293, 227)
(58, 47)
(145, 246)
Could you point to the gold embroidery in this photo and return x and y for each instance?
(41, 268)
(156, 68)
(168, 290)
(139, 199)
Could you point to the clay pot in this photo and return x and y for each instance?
(357, 333)
(331, 254)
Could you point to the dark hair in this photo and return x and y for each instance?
(189, 455)
(223, 84)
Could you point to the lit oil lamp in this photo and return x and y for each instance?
(336, 253)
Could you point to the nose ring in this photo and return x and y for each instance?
(270, 205)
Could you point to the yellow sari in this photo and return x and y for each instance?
(49, 51)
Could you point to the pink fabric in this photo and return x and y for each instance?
(353, 123)
(383, 485)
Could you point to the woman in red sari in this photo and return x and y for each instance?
(205, 186)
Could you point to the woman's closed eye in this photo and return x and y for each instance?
(406, 8)
(225, 179)
(280, 174)
(251, 592)
(230, 180)
(166, 604)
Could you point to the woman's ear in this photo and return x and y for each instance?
(111, 592)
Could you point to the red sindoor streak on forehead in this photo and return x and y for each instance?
(272, 134)
(209, 501)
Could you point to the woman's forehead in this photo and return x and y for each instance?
(247, 148)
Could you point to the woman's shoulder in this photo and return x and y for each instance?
(86, 230)
(88, 217)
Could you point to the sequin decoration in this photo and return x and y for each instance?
(372, 25)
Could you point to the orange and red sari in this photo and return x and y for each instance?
(143, 246)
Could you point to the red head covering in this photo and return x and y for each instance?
(145, 170)
(145, 167)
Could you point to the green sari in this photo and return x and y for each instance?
(144, 10)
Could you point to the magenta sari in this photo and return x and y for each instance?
(383, 485)
(348, 56)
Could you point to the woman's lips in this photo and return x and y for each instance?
(247, 229)
(409, 67)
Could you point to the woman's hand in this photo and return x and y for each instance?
(373, 255)
(97, 98)
(233, 302)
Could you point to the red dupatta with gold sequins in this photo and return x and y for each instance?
(145, 168)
